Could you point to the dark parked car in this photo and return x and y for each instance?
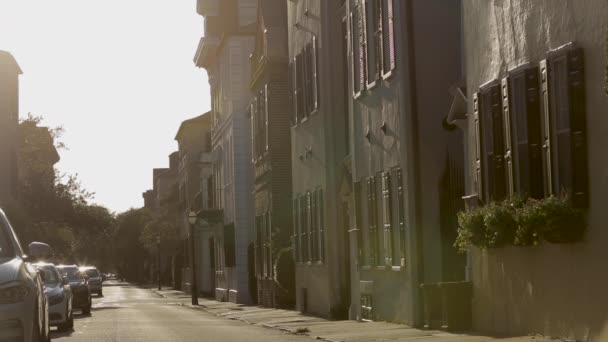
(80, 288)
(24, 312)
(94, 279)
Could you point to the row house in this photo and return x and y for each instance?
(407, 169)
(9, 125)
(224, 50)
(319, 155)
(271, 156)
(193, 138)
(537, 125)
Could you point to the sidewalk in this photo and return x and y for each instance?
(293, 322)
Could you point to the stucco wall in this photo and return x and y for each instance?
(9, 111)
(557, 290)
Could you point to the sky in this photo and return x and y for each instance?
(118, 76)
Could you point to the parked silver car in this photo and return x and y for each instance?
(59, 296)
(23, 303)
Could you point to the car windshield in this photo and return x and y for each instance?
(6, 249)
(73, 274)
(50, 275)
(92, 273)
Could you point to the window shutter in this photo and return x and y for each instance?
(567, 118)
(525, 131)
(546, 130)
(358, 223)
(354, 53)
(300, 81)
(493, 142)
(294, 237)
(266, 117)
(378, 38)
(508, 151)
(307, 80)
(388, 28)
(253, 130)
(361, 45)
(314, 236)
(387, 218)
(578, 128)
(479, 179)
(535, 178)
(321, 208)
(294, 93)
(371, 216)
(398, 176)
(315, 73)
(391, 34)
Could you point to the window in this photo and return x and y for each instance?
(387, 219)
(321, 224)
(564, 124)
(521, 107)
(295, 239)
(373, 19)
(259, 124)
(304, 82)
(372, 217)
(489, 123)
(398, 176)
(359, 224)
(304, 229)
(357, 29)
(388, 37)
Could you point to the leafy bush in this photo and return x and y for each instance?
(520, 222)
(471, 230)
(500, 224)
(563, 223)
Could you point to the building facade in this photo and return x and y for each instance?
(193, 138)
(407, 169)
(271, 152)
(224, 50)
(9, 126)
(536, 125)
(319, 154)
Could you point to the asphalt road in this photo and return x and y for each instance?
(131, 314)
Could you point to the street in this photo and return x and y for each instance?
(130, 314)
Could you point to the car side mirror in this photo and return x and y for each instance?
(65, 281)
(39, 250)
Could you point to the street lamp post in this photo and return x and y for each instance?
(192, 218)
(159, 264)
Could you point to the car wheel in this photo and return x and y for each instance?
(68, 325)
(87, 310)
(100, 293)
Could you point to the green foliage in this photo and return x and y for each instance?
(471, 230)
(500, 224)
(562, 222)
(54, 208)
(520, 222)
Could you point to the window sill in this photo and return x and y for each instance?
(387, 76)
(357, 95)
(372, 86)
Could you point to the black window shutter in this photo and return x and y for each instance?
(253, 130)
(526, 131)
(314, 234)
(266, 110)
(578, 129)
(294, 237)
(493, 142)
(398, 177)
